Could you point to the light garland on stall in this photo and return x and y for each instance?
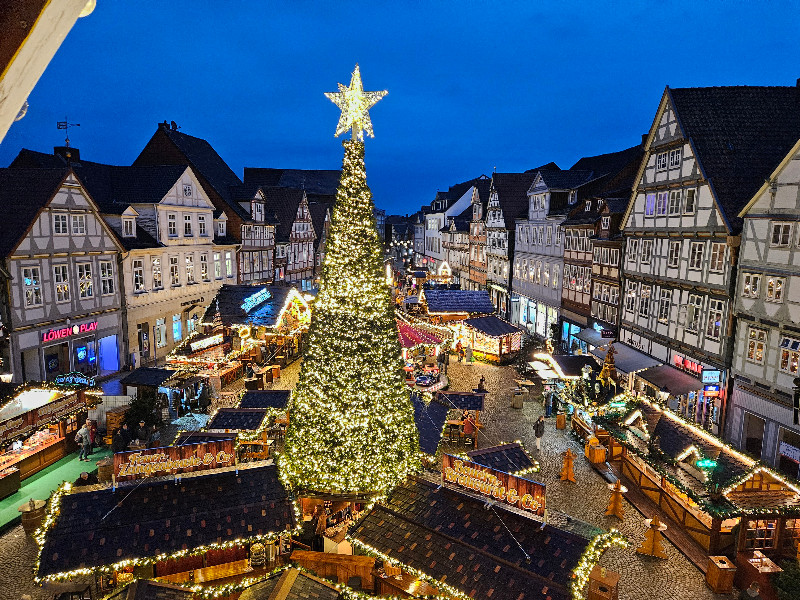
(591, 556)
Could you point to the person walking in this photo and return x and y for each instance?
(460, 351)
(319, 531)
(83, 438)
(538, 430)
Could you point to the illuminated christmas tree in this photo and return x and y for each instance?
(351, 425)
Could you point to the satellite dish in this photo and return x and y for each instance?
(22, 111)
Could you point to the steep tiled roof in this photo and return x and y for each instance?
(430, 420)
(313, 181)
(612, 162)
(512, 194)
(161, 517)
(237, 419)
(452, 538)
(455, 192)
(551, 166)
(740, 135)
(282, 204)
(143, 589)
(567, 180)
(291, 584)
(231, 297)
(23, 193)
(458, 301)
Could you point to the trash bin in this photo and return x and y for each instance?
(720, 574)
(561, 421)
(516, 400)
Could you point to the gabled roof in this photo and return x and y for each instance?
(508, 458)
(612, 162)
(492, 326)
(282, 204)
(567, 180)
(265, 399)
(455, 192)
(200, 155)
(512, 194)
(291, 584)
(551, 166)
(23, 193)
(162, 517)
(458, 301)
(480, 552)
(313, 181)
(318, 211)
(740, 134)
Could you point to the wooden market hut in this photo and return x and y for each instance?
(177, 530)
(492, 338)
(726, 502)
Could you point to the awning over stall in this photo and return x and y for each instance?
(411, 337)
(592, 337)
(147, 376)
(675, 381)
(627, 359)
(265, 399)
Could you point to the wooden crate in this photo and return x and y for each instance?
(561, 421)
(720, 574)
(596, 454)
(115, 418)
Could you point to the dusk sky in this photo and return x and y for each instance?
(472, 86)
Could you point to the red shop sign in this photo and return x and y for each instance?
(64, 332)
(688, 365)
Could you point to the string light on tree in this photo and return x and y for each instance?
(351, 426)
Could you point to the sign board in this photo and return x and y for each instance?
(524, 494)
(711, 376)
(33, 419)
(62, 332)
(254, 300)
(789, 451)
(73, 379)
(711, 390)
(608, 333)
(171, 460)
(214, 340)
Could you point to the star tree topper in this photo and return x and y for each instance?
(355, 104)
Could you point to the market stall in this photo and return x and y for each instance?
(251, 426)
(37, 428)
(725, 501)
(455, 305)
(491, 338)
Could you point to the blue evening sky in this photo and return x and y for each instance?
(472, 85)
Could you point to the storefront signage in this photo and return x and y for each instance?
(607, 333)
(214, 340)
(711, 376)
(789, 451)
(63, 332)
(194, 302)
(520, 493)
(172, 460)
(58, 408)
(711, 390)
(74, 378)
(251, 302)
(687, 365)
(14, 427)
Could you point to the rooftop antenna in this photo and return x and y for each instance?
(65, 125)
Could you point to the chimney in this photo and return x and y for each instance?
(68, 153)
(644, 136)
(163, 125)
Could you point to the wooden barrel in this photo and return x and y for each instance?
(32, 515)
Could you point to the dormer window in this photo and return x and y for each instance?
(221, 228)
(258, 211)
(128, 227)
(605, 222)
(588, 206)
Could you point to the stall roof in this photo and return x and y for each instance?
(430, 420)
(627, 359)
(458, 542)
(265, 399)
(231, 298)
(143, 589)
(160, 517)
(592, 337)
(508, 458)
(458, 301)
(411, 336)
(461, 400)
(200, 437)
(291, 584)
(147, 376)
(674, 380)
(237, 419)
(572, 365)
(492, 326)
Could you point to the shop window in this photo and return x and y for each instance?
(174, 273)
(85, 357)
(756, 342)
(190, 269)
(157, 281)
(85, 281)
(177, 329)
(204, 267)
(32, 283)
(106, 278)
(775, 287)
(61, 280)
(78, 224)
(791, 535)
(790, 355)
(161, 333)
(761, 534)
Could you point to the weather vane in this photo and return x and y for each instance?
(65, 124)
(355, 104)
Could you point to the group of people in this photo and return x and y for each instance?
(125, 436)
(86, 439)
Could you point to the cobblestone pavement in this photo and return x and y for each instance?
(642, 578)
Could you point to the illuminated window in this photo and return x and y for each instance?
(644, 304)
(176, 328)
(775, 287)
(630, 296)
(791, 535)
(161, 333)
(217, 266)
(138, 275)
(85, 281)
(664, 306)
(204, 267)
(157, 282)
(693, 313)
(190, 268)
(760, 534)
(751, 285)
(174, 273)
(61, 279)
(555, 276)
(790, 355)
(714, 325)
(756, 342)
(717, 257)
(228, 264)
